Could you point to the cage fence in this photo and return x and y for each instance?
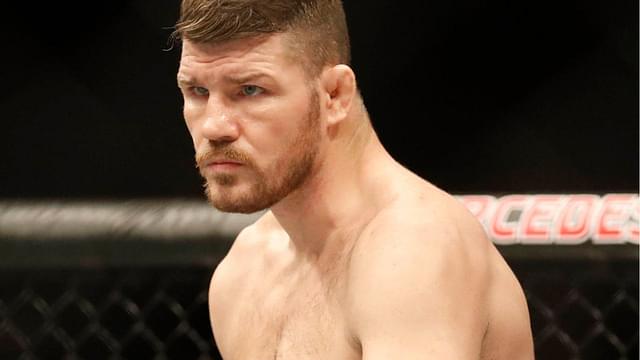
(119, 292)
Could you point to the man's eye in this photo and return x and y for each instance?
(252, 90)
(200, 91)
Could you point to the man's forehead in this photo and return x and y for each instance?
(272, 44)
(239, 55)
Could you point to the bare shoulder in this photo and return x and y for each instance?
(235, 270)
(418, 280)
(431, 225)
(252, 242)
(425, 271)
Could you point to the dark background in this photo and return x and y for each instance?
(475, 96)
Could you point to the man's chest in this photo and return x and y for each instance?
(285, 321)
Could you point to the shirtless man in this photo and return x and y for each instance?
(357, 257)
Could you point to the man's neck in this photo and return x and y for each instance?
(343, 193)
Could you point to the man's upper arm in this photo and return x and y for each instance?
(419, 292)
(224, 286)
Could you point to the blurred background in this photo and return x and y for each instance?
(491, 97)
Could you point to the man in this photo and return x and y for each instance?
(357, 257)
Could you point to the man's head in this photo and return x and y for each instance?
(262, 81)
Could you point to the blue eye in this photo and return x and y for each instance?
(200, 91)
(252, 90)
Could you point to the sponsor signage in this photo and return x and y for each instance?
(563, 219)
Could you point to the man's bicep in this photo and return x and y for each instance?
(225, 285)
(419, 300)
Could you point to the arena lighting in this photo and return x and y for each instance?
(563, 219)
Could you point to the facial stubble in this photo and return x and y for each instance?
(274, 184)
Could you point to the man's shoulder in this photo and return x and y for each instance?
(429, 218)
(263, 232)
(422, 263)
(429, 228)
(243, 260)
(251, 242)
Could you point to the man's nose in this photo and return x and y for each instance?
(220, 124)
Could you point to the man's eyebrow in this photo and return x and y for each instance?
(246, 78)
(184, 81)
(187, 81)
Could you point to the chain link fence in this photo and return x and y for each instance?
(582, 309)
(105, 314)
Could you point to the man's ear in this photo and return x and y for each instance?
(339, 85)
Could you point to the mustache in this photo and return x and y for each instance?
(228, 153)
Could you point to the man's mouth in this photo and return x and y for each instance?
(222, 165)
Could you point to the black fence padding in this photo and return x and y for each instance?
(579, 310)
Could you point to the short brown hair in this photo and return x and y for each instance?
(318, 27)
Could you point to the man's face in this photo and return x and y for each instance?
(254, 120)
